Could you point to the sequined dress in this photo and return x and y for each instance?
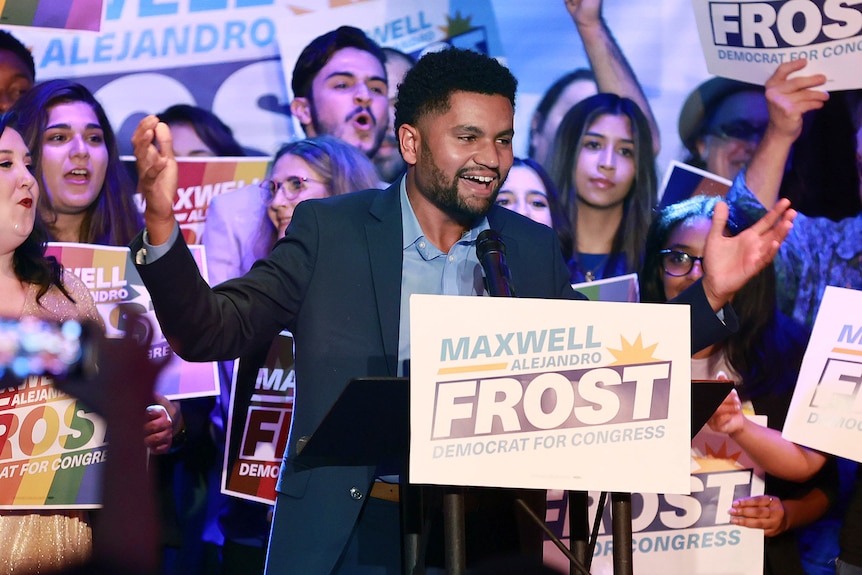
(33, 542)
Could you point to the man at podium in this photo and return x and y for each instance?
(341, 278)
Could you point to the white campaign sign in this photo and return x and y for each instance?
(551, 394)
(747, 39)
(680, 534)
(826, 411)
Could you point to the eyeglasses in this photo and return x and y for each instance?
(739, 130)
(676, 263)
(291, 186)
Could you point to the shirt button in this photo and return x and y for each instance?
(422, 245)
(355, 494)
(451, 258)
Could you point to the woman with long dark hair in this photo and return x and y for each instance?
(604, 167)
(87, 191)
(35, 286)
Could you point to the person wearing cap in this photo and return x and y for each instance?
(721, 123)
(818, 251)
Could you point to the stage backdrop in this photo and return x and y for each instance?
(224, 54)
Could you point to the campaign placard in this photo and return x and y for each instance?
(682, 181)
(261, 407)
(52, 448)
(67, 15)
(680, 534)
(199, 180)
(748, 39)
(118, 289)
(826, 410)
(549, 394)
(617, 288)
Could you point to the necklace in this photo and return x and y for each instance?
(593, 263)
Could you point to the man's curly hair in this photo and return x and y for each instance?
(429, 84)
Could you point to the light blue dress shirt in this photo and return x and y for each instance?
(425, 269)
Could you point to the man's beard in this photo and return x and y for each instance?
(445, 196)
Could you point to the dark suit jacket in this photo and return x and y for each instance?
(334, 281)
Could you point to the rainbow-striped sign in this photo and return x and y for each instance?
(66, 14)
(52, 449)
(619, 288)
(118, 289)
(201, 179)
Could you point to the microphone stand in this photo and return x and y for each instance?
(491, 254)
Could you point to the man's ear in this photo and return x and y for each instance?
(409, 142)
(301, 110)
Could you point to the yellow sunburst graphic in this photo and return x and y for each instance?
(456, 25)
(720, 459)
(633, 352)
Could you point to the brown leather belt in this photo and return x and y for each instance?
(385, 491)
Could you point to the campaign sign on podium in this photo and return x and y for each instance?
(551, 394)
(826, 410)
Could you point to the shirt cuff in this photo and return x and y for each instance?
(150, 253)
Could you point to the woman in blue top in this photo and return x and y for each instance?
(604, 167)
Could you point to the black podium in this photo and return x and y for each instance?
(706, 396)
(378, 411)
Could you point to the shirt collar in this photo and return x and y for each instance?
(412, 231)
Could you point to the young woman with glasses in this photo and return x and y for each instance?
(242, 226)
(762, 358)
(314, 168)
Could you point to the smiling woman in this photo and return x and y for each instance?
(86, 197)
(33, 285)
(87, 191)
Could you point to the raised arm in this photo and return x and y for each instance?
(787, 99)
(157, 177)
(765, 446)
(612, 71)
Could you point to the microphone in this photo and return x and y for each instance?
(492, 255)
